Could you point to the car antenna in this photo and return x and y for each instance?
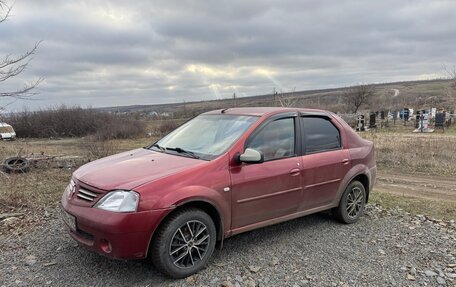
(224, 110)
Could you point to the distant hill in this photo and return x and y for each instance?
(389, 96)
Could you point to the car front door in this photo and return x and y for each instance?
(324, 162)
(271, 189)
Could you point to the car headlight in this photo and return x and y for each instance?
(119, 201)
(71, 188)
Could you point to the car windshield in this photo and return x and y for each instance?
(206, 136)
(6, 129)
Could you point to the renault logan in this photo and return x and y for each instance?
(222, 173)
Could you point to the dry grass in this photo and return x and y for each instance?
(37, 189)
(410, 152)
(36, 195)
(69, 146)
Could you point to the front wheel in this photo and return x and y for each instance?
(184, 243)
(351, 205)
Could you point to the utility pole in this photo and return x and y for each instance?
(234, 99)
(274, 94)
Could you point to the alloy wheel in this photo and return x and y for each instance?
(189, 244)
(355, 200)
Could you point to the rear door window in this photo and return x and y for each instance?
(319, 135)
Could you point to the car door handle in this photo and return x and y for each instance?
(295, 172)
(345, 161)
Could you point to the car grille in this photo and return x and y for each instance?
(86, 195)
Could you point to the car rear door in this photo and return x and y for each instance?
(324, 161)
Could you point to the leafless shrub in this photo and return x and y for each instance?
(73, 122)
(287, 101)
(167, 126)
(98, 146)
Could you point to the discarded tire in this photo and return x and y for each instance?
(16, 165)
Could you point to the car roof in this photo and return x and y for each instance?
(262, 111)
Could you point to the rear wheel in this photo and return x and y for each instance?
(351, 205)
(184, 243)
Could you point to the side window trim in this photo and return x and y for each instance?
(303, 136)
(297, 133)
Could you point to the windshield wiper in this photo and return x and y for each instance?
(181, 150)
(158, 146)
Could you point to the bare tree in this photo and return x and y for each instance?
(450, 91)
(451, 75)
(357, 96)
(11, 66)
(287, 100)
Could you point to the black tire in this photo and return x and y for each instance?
(164, 255)
(352, 202)
(16, 165)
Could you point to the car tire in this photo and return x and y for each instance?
(16, 165)
(184, 243)
(352, 202)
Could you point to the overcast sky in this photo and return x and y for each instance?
(107, 53)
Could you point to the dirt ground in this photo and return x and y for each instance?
(417, 185)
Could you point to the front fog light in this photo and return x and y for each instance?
(119, 201)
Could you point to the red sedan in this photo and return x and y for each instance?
(221, 173)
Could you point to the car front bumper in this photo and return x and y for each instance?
(113, 234)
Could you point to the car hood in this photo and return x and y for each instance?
(130, 169)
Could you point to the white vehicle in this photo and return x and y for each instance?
(7, 132)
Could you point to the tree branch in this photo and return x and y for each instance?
(5, 11)
(13, 71)
(9, 60)
(24, 93)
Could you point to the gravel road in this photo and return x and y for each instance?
(385, 248)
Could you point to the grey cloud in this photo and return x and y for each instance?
(103, 53)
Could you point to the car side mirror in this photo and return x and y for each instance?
(251, 155)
